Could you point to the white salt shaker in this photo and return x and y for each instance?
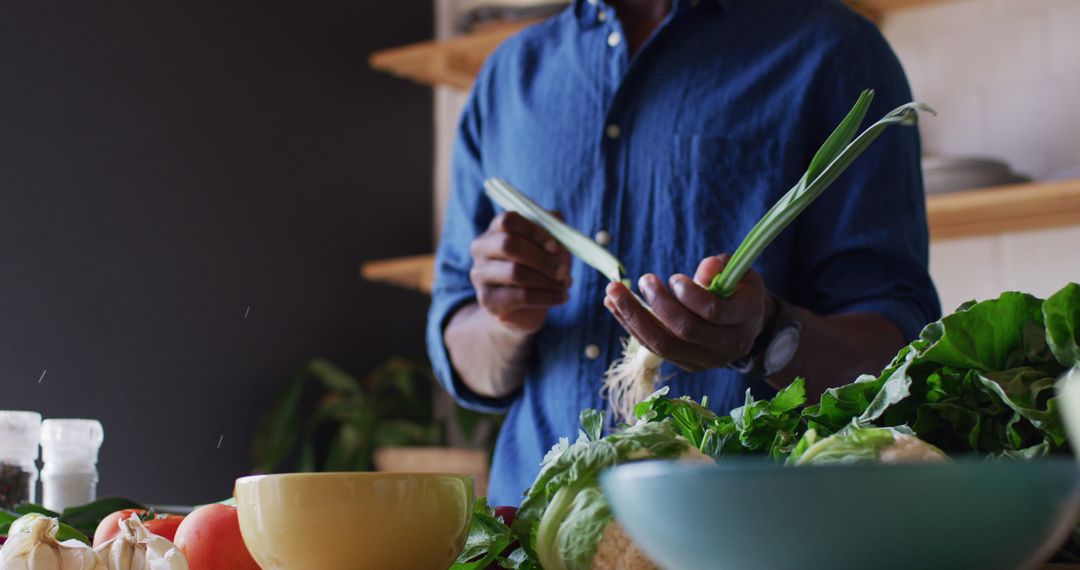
(69, 454)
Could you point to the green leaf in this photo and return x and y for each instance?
(581, 529)
(404, 433)
(987, 336)
(841, 137)
(27, 508)
(488, 537)
(276, 434)
(839, 406)
(577, 466)
(1061, 313)
(760, 426)
(592, 423)
(6, 518)
(1030, 393)
(332, 377)
(85, 518)
(789, 398)
(808, 439)
(853, 444)
(812, 184)
(691, 418)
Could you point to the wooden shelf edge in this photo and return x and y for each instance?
(988, 211)
(452, 63)
(876, 10)
(992, 211)
(456, 61)
(413, 272)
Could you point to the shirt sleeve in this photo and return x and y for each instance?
(468, 214)
(863, 245)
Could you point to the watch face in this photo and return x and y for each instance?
(781, 350)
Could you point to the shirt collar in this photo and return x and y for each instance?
(587, 11)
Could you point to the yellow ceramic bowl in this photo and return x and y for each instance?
(355, 521)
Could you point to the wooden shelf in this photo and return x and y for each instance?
(413, 272)
(455, 62)
(988, 211)
(877, 9)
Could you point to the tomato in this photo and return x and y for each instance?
(163, 525)
(210, 539)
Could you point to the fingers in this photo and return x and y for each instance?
(508, 273)
(709, 268)
(502, 300)
(522, 250)
(646, 327)
(514, 223)
(677, 317)
(689, 325)
(519, 271)
(710, 307)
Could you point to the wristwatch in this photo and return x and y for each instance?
(776, 345)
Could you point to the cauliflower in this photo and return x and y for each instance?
(616, 551)
(910, 449)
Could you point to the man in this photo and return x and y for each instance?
(666, 130)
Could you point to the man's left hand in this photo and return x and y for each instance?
(690, 326)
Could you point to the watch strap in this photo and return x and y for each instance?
(783, 319)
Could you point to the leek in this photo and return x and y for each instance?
(632, 377)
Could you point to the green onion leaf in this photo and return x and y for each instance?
(810, 186)
(513, 200)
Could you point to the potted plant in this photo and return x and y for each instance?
(393, 419)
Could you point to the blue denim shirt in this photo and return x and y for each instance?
(675, 153)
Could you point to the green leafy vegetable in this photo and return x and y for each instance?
(979, 381)
(1061, 313)
(488, 538)
(830, 161)
(563, 515)
(857, 444)
(86, 517)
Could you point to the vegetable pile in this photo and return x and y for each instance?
(127, 536)
(980, 381)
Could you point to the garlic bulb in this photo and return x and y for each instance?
(33, 546)
(136, 548)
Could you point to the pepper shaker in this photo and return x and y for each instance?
(20, 433)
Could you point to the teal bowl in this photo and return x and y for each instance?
(747, 514)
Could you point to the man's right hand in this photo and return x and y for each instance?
(519, 272)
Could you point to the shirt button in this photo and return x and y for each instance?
(602, 237)
(614, 39)
(592, 352)
(601, 15)
(613, 131)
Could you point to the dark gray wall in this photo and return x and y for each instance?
(166, 165)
